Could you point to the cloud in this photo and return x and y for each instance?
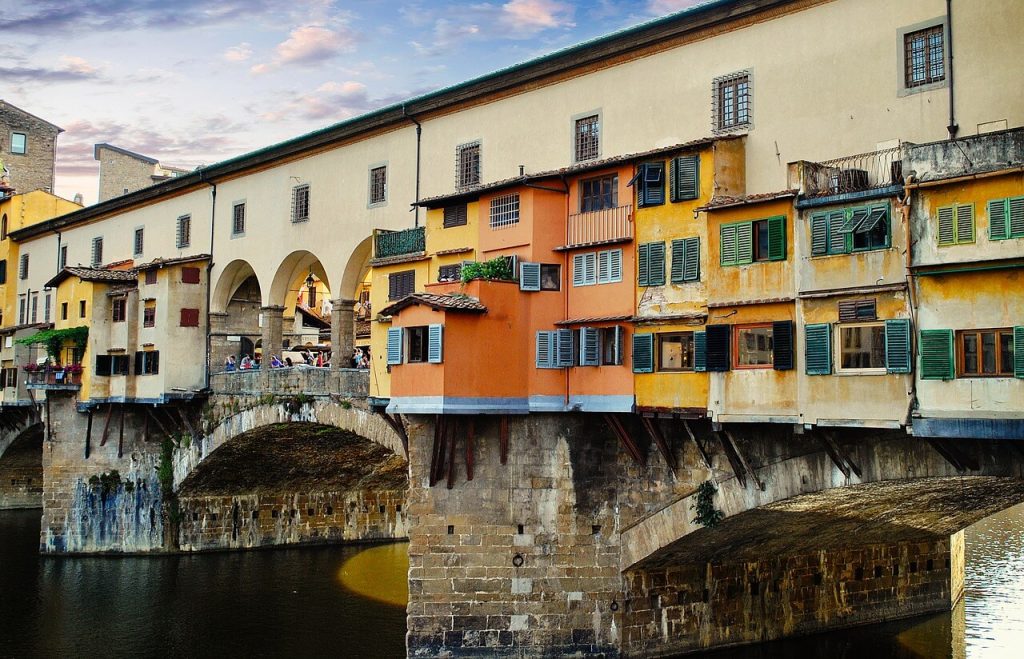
(239, 53)
(336, 100)
(71, 69)
(309, 44)
(446, 36)
(661, 7)
(531, 16)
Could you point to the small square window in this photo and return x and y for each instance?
(924, 57)
(149, 314)
(754, 346)
(238, 219)
(184, 233)
(455, 216)
(467, 165)
(139, 238)
(588, 138)
(732, 101)
(550, 277)
(63, 256)
(417, 344)
(118, 309)
(378, 185)
(63, 310)
(19, 143)
(862, 348)
(401, 284)
(151, 277)
(81, 308)
(300, 203)
(675, 351)
(985, 353)
(599, 193)
(97, 252)
(505, 211)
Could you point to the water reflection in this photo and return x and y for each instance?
(379, 573)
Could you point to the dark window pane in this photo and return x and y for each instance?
(1006, 353)
(988, 353)
(970, 353)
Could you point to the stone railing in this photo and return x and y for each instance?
(351, 382)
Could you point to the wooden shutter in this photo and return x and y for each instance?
(727, 255)
(818, 349)
(819, 234)
(455, 216)
(856, 310)
(1016, 213)
(656, 264)
(102, 364)
(719, 340)
(564, 338)
(435, 343)
(691, 265)
(685, 178)
(577, 270)
(154, 362)
(529, 276)
(138, 363)
(947, 234)
(744, 243)
(190, 275)
(776, 238)
(700, 351)
(394, 355)
(836, 237)
(544, 350)
(190, 318)
(1018, 352)
(609, 266)
(965, 223)
(678, 260)
(652, 184)
(782, 345)
(643, 265)
(590, 268)
(643, 353)
(3, 271)
(590, 346)
(897, 345)
(998, 227)
(936, 354)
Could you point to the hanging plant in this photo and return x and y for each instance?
(707, 516)
(54, 340)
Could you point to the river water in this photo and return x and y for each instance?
(346, 601)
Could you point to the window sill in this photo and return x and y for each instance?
(238, 235)
(377, 204)
(752, 367)
(871, 371)
(300, 220)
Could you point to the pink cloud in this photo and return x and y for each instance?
(312, 43)
(239, 53)
(529, 16)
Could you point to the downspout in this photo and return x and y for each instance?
(419, 135)
(209, 271)
(565, 269)
(59, 268)
(905, 208)
(952, 128)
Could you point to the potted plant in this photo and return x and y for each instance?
(73, 374)
(36, 372)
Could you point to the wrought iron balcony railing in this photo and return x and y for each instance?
(860, 173)
(397, 243)
(605, 225)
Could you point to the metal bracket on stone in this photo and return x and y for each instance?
(839, 458)
(651, 425)
(615, 423)
(740, 467)
(953, 455)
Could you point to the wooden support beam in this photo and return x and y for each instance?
(624, 437)
(953, 455)
(469, 449)
(120, 435)
(396, 424)
(704, 456)
(106, 424)
(188, 424)
(731, 447)
(840, 457)
(159, 423)
(450, 452)
(145, 428)
(437, 450)
(88, 434)
(651, 425)
(503, 439)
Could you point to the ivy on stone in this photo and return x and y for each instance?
(707, 515)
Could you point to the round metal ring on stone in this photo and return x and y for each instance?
(518, 560)
(614, 606)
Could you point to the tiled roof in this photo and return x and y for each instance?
(362, 329)
(723, 201)
(435, 202)
(93, 274)
(399, 258)
(443, 302)
(595, 319)
(163, 263)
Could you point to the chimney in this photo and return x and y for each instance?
(78, 198)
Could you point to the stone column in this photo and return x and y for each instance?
(219, 346)
(343, 333)
(272, 330)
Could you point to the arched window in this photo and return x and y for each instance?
(3, 228)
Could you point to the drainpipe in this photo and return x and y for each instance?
(419, 135)
(58, 250)
(565, 270)
(906, 208)
(209, 270)
(952, 128)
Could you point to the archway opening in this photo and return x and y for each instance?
(21, 470)
(238, 297)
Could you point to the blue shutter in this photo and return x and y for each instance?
(818, 349)
(691, 264)
(577, 270)
(614, 266)
(643, 353)
(643, 265)
(394, 346)
(544, 349)
(678, 260)
(700, 351)
(656, 264)
(529, 276)
(782, 345)
(565, 352)
(435, 343)
(819, 234)
(936, 354)
(590, 346)
(620, 335)
(897, 345)
(652, 184)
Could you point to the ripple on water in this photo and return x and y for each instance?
(379, 573)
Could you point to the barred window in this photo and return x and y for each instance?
(923, 57)
(505, 211)
(467, 165)
(119, 307)
(184, 231)
(732, 101)
(588, 138)
(379, 185)
(238, 219)
(139, 237)
(23, 267)
(149, 314)
(63, 256)
(300, 203)
(97, 252)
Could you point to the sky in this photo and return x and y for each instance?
(193, 82)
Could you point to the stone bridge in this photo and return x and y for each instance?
(21, 470)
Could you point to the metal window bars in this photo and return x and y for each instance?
(865, 171)
(505, 211)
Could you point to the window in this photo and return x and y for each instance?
(555, 348)
(63, 257)
(924, 57)
(862, 347)
(881, 347)
(183, 235)
(858, 310)
(81, 308)
(190, 275)
(588, 138)
(685, 260)
(139, 237)
(684, 178)
(956, 224)
(3, 227)
(757, 240)
(467, 165)
(599, 193)
(649, 183)
(147, 362)
(505, 211)
(417, 344)
(611, 346)
(732, 101)
(63, 310)
(850, 230)
(651, 264)
(23, 267)
(1006, 218)
(118, 308)
(420, 344)
(151, 277)
(401, 284)
(22, 310)
(35, 308)
(754, 346)
(584, 269)
(46, 308)
(600, 346)
(550, 277)
(10, 377)
(378, 185)
(455, 216)
(3, 271)
(118, 364)
(449, 272)
(149, 314)
(300, 203)
(97, 252)
(190, 318)
(675, 351)
(985, 353)
(589, 268)
(19, 143)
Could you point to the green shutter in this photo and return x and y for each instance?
(643, 353)
(685, 178)
(678, 259)
(897, 345)
(836, 238)
(937, 354)
(782, 345)
(777, 238)
(744, 243)
(946, 223)
(643, 265)
(998, 229)
(1016, 213)
(700, 351)
(691, 263)
(819, 234)
(728, 244)
(656, 264)
(818, 349)
(1018, 352)
(965, 223)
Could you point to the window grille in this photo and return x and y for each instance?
(35, 308)
(238, 219)
(378, 185)
(588, 137)
(97, 252)
(139, 238)
(63, 256)
(149, 315)
(505, 211)
(924, 57)
(300, 203)
(731, 101)
(184, 233)
(467, 165)
(23, 267)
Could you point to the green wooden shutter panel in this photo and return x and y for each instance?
(1016, 217)
(685, 178)
(728, 244)
(719, 340)
(897, 345)
(836, 237)
(777, 238)
(818, 349)
(997, 220)
(691, 263)
(965, 223)
(643, 353)
(946, 223)
(819, 234)
(435, 343)
(654, 184)
(782, 345)
(700, 351)
(1018, 352)
(394, 346)
(656, 256)
(590, 346)
(937, 354)
(678, 258)
(643, 265)
(744, 243)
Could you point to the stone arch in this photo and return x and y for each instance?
(321, 411)
(230, 280)
(892, 457)
(294, 268)
(355, 269)
(21, 465)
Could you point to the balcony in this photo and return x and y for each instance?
(55, 379)
(609, 225)
(864, 174)
(391, 244)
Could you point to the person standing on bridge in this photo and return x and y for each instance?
(229, 363)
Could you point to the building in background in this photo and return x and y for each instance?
(123, 171)
(28, 150)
